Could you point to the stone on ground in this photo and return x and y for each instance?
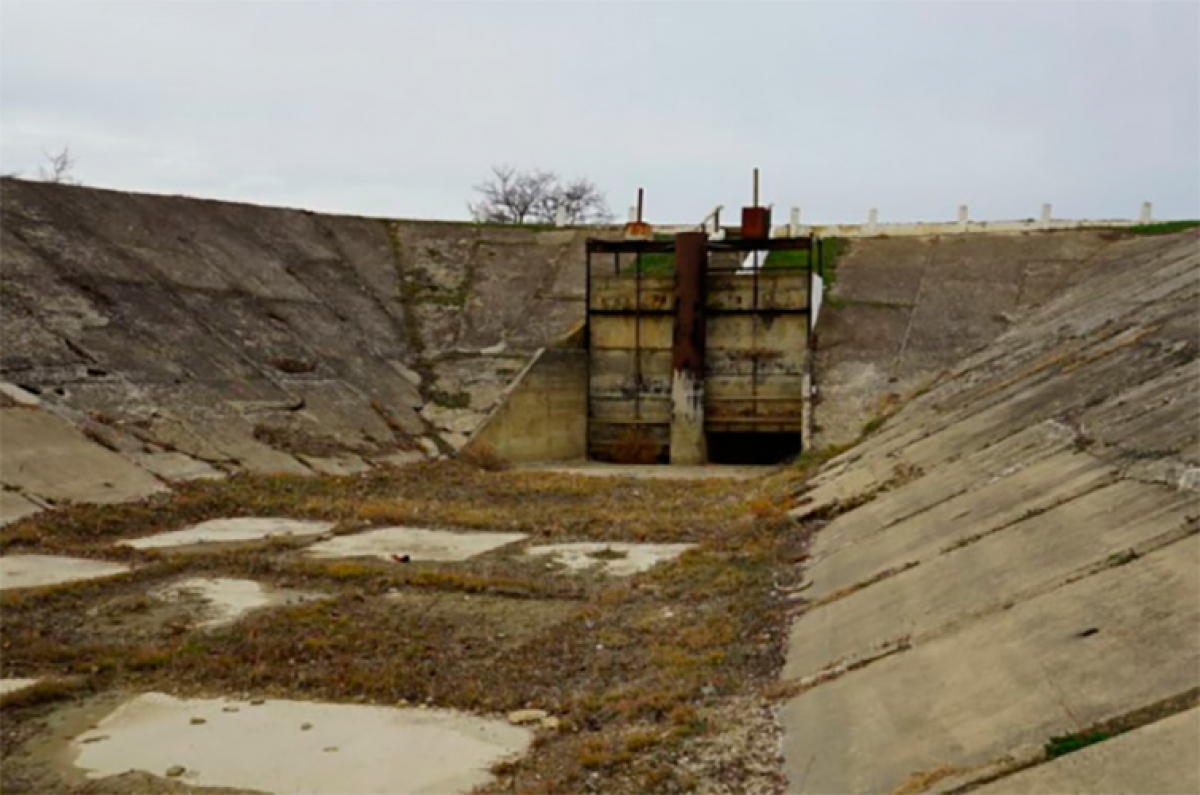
(366, 750)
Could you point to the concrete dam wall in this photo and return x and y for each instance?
(149, 339)
(906, 310)
(1009, 569)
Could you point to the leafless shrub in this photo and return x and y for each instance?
(518, 197)
(59, 167)
(483, 456)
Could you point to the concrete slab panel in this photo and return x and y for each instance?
(617, 559)
(14, 506)
(999, 461)
(229, 531)
(35, 571)
(1088, 652)
(224, 600)
(417, 543)
(13, 685)
(44, 455)
(175, 466)
(999, 569)
(1162, 757)
(846, 560)
(297, 747)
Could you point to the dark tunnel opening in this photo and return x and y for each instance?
(752, 448)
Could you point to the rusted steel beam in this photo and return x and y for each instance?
(691, 260)
(601, 246)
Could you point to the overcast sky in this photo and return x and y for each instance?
(399, 108)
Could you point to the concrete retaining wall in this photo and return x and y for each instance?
(543, 416)
(904, 310)
(194, 337)
(1013, 557)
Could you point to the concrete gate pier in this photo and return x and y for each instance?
(688, 442)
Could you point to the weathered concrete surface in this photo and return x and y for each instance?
(906, 309)
(297, 747)
(34, 571)
(241, 337)
(230, 531)
(1013, 678)
(13, 685)
(950, 584)
(1163, 757)
(616, 558)
(46, 457)
(1015, 554)
(417, 543)
(223, 600)
(543, 416)
(14, 506)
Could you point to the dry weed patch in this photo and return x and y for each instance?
(639, 671)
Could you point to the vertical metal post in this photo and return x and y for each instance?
(813, 260)
(755, 187)
(688, 445)
(641, 194)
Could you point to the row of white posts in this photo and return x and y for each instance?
(872, 226)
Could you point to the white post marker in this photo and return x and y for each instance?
(794, 224)
(873, 221)
(560, 216)
(1147, 213)
(963, 214)
(1045, 219)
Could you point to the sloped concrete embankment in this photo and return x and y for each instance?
(1014, 558)
(904, 310)
(150, 339)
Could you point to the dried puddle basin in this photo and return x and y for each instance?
(298, 747)
(32, 571)
(617, 559)
(222, 601)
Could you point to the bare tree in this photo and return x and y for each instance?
(59, 167)
(518, 197)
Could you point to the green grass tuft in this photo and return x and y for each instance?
(1069, 743)
(1162, 228)
(834, 248)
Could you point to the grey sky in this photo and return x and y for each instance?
(394, 108)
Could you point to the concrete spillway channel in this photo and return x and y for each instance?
(996, 591)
